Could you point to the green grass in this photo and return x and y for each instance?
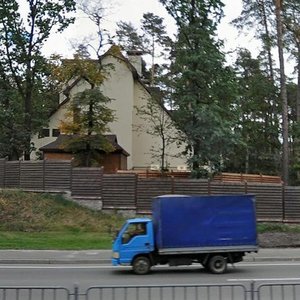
(278, 227)
(43, 221)
(54, 240)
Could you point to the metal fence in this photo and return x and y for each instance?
(251, 290)
(168, 292)
(278, 291)
(35, 293)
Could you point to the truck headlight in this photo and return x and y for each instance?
(116, 255)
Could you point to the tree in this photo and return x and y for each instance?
(158, 123)
(152, 40)
(96, 11)
(155, 39)
(291, 19)
(202, 88)
(259, 150)
(270, 14)
(128, 37)
(258, 14)
(22, 40)
(87, 122)
(11, 122)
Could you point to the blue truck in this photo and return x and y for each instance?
(210, 230)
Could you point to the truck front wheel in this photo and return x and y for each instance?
(141, 265)
(217, 264)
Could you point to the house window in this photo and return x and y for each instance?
(55, 132)
(45, 132)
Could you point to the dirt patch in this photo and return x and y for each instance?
(279, 239)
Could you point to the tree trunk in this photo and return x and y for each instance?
(283, 93)
(298, 84)
(297, 139)
(267, 42)
(27, 123)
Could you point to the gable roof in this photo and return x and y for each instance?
(58, 144)
(113, 51)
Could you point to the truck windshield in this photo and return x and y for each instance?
(117, 231)
(133, 230)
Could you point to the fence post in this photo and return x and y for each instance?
(136, 177)
(76, 292)
(283, 203)
(44, 174)
(172, 185)
(20, 173)
(71, 176)
(246, 187)
(3, 176)
(252, 290)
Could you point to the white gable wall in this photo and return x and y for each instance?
(120, 87)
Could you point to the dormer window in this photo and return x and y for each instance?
(55, 132)
(45, 132)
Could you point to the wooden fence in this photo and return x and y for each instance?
(274, 202)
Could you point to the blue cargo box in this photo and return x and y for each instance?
(204, 221)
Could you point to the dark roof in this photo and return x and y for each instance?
(58, 144)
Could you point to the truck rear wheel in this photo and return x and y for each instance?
(217, 264)
(141, 265)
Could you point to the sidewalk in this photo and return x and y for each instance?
(55, 257)
(103, 256)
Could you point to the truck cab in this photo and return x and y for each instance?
(133, 244)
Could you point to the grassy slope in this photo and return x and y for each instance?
(43, 221)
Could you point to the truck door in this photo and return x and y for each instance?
(136, 239)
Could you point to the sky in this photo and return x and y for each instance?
(132, 11)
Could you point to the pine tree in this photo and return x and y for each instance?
(202, 88)
(259, 151)
(291, 20)
(128, 37)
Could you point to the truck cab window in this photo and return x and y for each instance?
(133, 230)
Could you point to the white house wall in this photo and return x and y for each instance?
(143, 141)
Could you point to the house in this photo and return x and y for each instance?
(135, 145)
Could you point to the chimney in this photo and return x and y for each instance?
(135, 58)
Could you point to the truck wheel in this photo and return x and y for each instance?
(217, 264)
(141, 265)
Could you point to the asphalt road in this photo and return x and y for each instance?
(89, 275)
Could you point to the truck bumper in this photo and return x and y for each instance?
(115, 262)
(118, 262)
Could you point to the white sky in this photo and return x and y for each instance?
(133, 10)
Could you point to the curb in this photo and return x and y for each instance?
(108, 261)
(53, 261)
(268, 259)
